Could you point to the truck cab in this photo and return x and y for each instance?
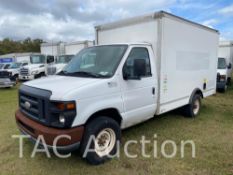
(60, 63)
(36, 68)
(222, 74)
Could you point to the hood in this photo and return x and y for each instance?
(60, 85)
(12, 70)
(59, 66)
(33, 66)
(222, 71)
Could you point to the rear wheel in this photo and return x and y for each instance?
(193, 109)
(100, 140)
(229, 81)
(224, 89)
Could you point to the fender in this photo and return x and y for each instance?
(195, 91)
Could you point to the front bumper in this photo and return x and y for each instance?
(6, 82)
(26, 77)
(34, 129)
(221, 84)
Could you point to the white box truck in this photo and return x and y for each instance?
(142, 67)
(37, 67)
(60, 63)
(75, 47)
(226, 51)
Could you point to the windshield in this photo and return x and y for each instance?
(37, 59)
(222, 63)
(99, 60)
(1, 66)
(15, 65)
(7, 66)
(64, 59)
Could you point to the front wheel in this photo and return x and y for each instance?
(193, 109)
(100, 141)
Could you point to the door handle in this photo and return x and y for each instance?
(153, 90)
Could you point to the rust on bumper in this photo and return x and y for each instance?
(34, 129)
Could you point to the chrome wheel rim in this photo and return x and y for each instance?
(196, 107)
(104, 142)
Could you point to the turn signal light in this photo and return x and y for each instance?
(70, 106)
(65, 106)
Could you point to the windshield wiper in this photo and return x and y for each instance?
(83, 73)
(88, 74)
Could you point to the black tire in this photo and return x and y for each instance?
(229, 81)
(193, 109)
(93, 128)
(40, 75)
(223, 90)
(16, 78)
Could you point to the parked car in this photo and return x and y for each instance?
(222, 72)
(141, 67)
(61, 62)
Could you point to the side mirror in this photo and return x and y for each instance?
(136, 71)
(229, 66)
(50, 59)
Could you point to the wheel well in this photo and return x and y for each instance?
(196, 91)
(110, 112)
(199, 92)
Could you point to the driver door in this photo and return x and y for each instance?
(139, 95)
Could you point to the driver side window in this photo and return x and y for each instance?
(138, 53)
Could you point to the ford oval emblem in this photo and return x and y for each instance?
(27, 105)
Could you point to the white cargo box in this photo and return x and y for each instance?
(226, 50)
(185, 53)
(75, 47)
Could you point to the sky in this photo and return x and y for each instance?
(74, 20)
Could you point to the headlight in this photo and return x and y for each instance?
(62, 119)
(222, 77)
(34, 72)
(62, 114)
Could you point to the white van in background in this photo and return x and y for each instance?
(141, 67)
(226, 51)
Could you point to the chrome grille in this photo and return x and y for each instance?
(51, 70)
(4, 74)
(30, 105)
(34, 103)
(24, 71)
